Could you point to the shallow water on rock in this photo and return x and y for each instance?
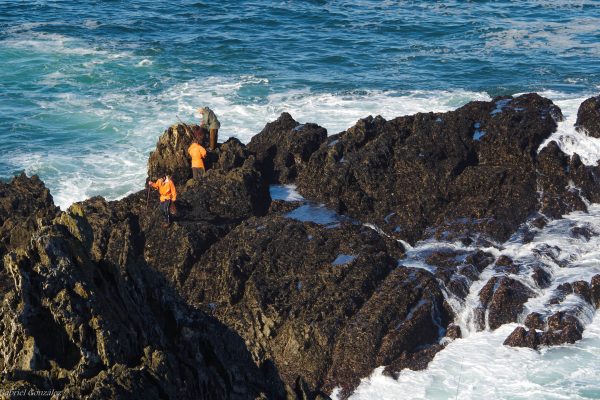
(307, 211)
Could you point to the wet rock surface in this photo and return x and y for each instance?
(327, 303)
(559, 327)
(464, 171)
(541, 277)
(588, 117)
(503, 297)
(534, 321)
(459, 269)
(453, 332)
(284, 146)
(595, 290)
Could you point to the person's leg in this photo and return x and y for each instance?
(213, 138)
(164, 208)
(167, 212)
(195, 174)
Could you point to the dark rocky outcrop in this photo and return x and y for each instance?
(588, 117)
(565, 182)
(503, 297)
(522, 337)
(560, 327)
(237, 300)
(25, 204)
(451, 175)
(468, 170)
(206, 211)
(284, 146)
(398, 327)
(595, 290)
(171, 156)
(91, 319)
(329, 304)
(534, 321)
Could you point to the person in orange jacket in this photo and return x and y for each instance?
(197, 152)
(168, 195)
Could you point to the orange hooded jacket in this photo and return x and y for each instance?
(197, 152)
(166, 189)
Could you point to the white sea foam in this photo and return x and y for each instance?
(335, 112)
(553, 36)
(480, 367)
(50, 43)
(53, 79)
(144, 63)
(91, 24)
(568, 139)
(26, 37)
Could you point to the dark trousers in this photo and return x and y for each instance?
(197, 173)
(164, 208)
(214, 135)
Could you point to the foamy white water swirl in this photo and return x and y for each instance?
(568, 139)
(480, 367)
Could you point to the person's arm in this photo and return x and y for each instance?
(202, 152)
(154, 185)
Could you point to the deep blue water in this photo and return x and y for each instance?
(86, 87)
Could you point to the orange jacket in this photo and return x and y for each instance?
(166, 189)
(197, 153)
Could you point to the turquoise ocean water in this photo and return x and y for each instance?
(87, 87)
